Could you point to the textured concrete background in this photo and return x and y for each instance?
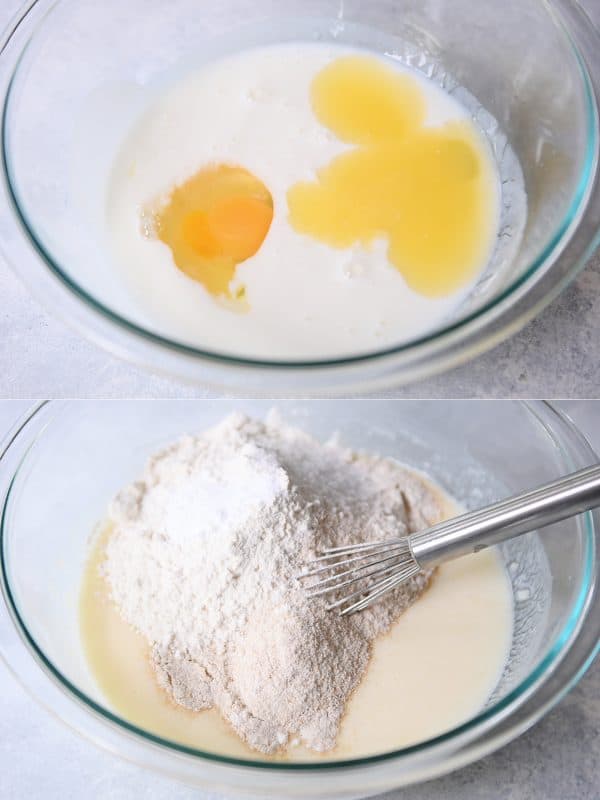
(559, 759)
(554, 356)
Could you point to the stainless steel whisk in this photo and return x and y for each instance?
(355, 576)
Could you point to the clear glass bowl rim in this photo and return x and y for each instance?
(585, 614)
(561, 235)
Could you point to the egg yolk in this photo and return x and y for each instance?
(214, 221)
(429, 190)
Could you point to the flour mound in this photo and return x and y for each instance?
(203, 559)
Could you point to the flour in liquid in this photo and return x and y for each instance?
(435, 669)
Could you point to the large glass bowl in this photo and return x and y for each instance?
(533, 66)
(63, 463)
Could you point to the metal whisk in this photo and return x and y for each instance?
(355, 576)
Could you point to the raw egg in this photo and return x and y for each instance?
(214, 221)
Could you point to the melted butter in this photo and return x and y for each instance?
(431, 191)
(434, 669)
(214, 221)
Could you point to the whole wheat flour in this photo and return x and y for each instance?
(203, 559)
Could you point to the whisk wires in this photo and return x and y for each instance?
(355, 576)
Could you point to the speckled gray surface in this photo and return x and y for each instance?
(554, 356)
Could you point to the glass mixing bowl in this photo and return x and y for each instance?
(63, 463)
(533, 66)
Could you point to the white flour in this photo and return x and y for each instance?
(203, 557)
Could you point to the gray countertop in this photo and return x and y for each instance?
(552, 357)
(559, 759)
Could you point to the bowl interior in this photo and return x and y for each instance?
(84, 79)
(88, 450)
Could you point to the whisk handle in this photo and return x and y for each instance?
(512, 517)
